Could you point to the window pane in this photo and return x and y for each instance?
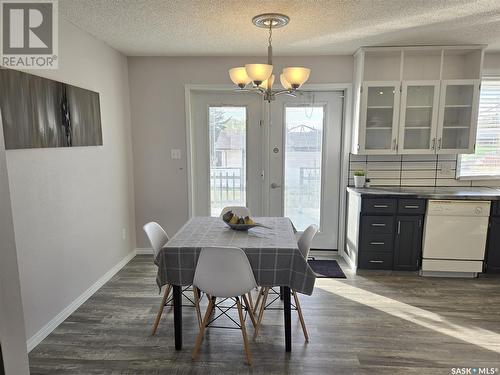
(303, 145)
(227, 135)
(486, 160)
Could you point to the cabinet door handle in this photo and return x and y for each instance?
(399, 226)
(439, 144)
(377, 243)
(378, 225)
(433, 144)
(412, 206)
(376, 261)
(380, 206)
(394, 144)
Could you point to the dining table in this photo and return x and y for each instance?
(271, 249)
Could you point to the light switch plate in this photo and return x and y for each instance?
(446, 169)
(175, 154)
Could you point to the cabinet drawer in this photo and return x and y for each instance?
(375, 261)
(377, 225)
(411, 206)
(378, 206)
(377, 242)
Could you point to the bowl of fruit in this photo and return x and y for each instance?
(236, 222)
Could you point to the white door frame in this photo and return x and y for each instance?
(345, 144)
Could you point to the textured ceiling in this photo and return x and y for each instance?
(317, 27)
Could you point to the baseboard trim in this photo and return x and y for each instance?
(37, 338)
(144, 251)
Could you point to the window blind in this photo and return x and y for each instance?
(486, 161)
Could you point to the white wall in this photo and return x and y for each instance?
(12, 333)
(159, 124)
(70, 204)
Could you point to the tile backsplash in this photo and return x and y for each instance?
(411, 170)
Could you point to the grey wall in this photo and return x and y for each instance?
(159, 124)
(12, 333)
(157, 103)
(71, 204)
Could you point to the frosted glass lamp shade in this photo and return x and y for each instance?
(239, 76)
(259, 72)
(268, 83)
(286, 85)
(296, 76)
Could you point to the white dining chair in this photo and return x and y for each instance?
(159, 238)
(224, 272)
(304, 244)
(241, 211)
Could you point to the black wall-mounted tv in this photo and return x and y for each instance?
(39, 112)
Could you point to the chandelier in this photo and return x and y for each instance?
(259, 78)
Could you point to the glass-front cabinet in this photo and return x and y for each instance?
(418, 117)
(379, 117)
(458, 116)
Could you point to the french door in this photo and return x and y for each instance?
(278, 159)
(303, 179)
(226, 152)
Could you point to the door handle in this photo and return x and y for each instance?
(274, 185)
(399, 227)
(439, 144)
(433, 144)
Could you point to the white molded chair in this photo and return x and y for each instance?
(241, 211)
(304, 243)
(158, 238)
(305, 240)
(224, 272)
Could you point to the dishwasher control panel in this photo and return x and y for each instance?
(458, 208)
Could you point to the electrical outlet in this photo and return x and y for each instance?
(175, 154)
(446, 169)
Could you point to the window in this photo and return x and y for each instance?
(304, 142)
(227, 132)
(485, 163)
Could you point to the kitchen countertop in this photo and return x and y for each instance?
(470, 193)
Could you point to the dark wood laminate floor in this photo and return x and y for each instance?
(374, 323)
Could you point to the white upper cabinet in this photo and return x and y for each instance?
(379, 117)
(416, 100)
(418, 117)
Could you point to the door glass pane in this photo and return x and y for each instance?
(302, 174)
(457, 116)
(227, 137)
(418, 117)
(379, 115)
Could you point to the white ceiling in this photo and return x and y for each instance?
(317, 27)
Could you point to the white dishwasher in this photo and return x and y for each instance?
(455, 237)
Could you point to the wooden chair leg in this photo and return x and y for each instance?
(244, 331)
(250, 310)
(196, 293)
(261, 313)
(160, 311)
(204, 323)
(301, 317)
(259, 297)
(250, 299)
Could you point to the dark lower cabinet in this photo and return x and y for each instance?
(390, 234)
(493, 251)
(407, 243)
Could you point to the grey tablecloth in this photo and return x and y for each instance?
(273, 253)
